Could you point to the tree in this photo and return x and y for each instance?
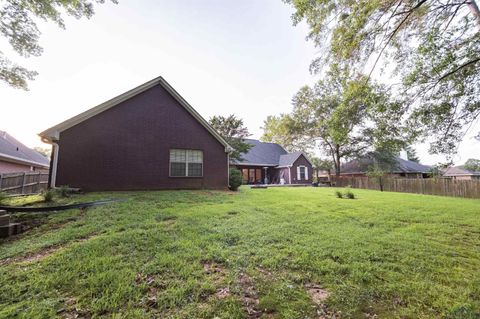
(472, 164)
(321, 164)
(44, 151)
(18, 26)
(281, 130)
(412, 154)
(384, 161)
(342, 116)
(435, 50)
(234, 132)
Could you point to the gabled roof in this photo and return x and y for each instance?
(262, 154)
(290, 158)
(459, 171)
(53, 133)
(268, 154)
(12, 150)
(361, 165)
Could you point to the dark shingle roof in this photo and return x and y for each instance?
(10, 148)
(459, 171)
(262, 153)
(288, 159)
(402, 166)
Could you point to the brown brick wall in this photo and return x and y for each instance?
(127, 147)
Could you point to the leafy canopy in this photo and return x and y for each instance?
(343, 116)
(433, 47)
(234, 132)
(18, 27)
(472, 164)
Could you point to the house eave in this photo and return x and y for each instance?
(18, 160)
(254, 164)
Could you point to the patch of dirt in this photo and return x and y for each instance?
(317, 293)
(213, 268)
(72, 312)
(218, 273)
(43, 253)
(222, 293)
(169, 224)
(318, 296)
(249, 296)
(265, 272)
(153, 287)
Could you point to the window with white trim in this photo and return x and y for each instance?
(186, 163)
(302, 173)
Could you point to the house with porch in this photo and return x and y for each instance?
(270, 163)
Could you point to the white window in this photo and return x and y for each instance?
(186, 163)
(302, 173)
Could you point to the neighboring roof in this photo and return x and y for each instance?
(53, 133)
(459, 171)
(268, 154)
(12, 150)
(262, 154)
(361, 165)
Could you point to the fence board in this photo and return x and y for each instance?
(428, 186)
(23, 183)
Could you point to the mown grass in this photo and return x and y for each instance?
(387, 254)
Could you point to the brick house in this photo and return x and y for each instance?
(146, 138)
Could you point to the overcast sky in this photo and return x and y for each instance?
(242, 57)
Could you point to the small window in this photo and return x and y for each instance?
(302, 172)
(186, 163)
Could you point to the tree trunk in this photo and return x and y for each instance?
(337, 161)
(472, 4)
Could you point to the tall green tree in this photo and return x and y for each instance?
(18, 26)
(342, 116)
(282, 130)
(472, 164)
(433, 47)
(383, 163)
(412, 154)
(234, 132)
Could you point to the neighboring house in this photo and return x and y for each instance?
(402, 168)
(16, 157)
(146, 138)
(269, 163)
(460, 173)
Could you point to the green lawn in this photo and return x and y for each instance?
(271, 253)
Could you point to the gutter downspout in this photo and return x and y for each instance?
(52, 176)
(228, 169)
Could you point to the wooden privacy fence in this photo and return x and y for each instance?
(429, 186)
(23, 183)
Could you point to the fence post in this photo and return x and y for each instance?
(23, 182)
(1, 176)
(38, 182)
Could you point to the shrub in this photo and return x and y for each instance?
(48, 195)
(349, 194)
(63, 191)
(3, 196)
(235, 179)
